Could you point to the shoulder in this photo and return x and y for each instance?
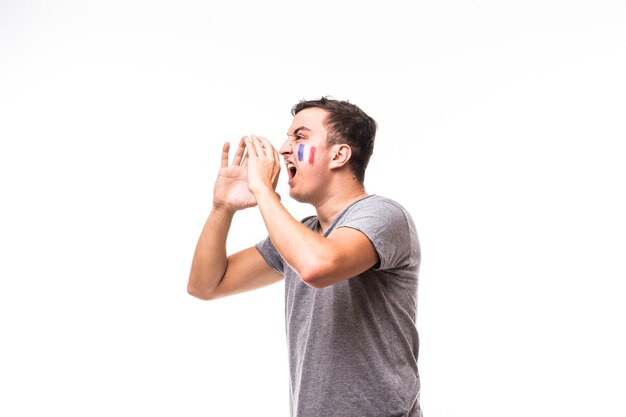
(389, 228)
(380, 215)
(386, 202)
(383, 208)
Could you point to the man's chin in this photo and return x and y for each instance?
(296, 196)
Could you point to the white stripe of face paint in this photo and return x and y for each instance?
(306, 153)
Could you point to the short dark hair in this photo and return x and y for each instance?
(346, 123)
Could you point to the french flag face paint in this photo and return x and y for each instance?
(306, 153)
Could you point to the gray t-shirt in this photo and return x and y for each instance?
(353, 345)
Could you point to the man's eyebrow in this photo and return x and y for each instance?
(295, 132)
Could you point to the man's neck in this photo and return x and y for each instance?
(334, 203)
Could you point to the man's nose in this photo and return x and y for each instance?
(286, 148)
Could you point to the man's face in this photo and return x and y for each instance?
(306, 154)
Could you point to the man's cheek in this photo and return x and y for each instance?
(306, 153)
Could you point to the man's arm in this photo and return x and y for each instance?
(213, 274)
(320, 261)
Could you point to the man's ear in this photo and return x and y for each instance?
(341, 154)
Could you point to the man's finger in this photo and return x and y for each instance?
(254, 146)
(276, 155)
(275, 182)
(258, 141)
(267, 146)
(240, 151)
(225, 149)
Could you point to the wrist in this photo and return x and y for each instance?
(265, 193)
(222, 210)
(260, 190)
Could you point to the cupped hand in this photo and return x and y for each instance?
(263, 164)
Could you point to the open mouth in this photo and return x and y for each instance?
(291, 170)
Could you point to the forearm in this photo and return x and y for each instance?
(304, 250)
(210, 260)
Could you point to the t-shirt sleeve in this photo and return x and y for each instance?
(268, 251)
(389, 228)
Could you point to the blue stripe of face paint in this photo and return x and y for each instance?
(301, 152)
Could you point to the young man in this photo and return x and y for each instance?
(350, 271)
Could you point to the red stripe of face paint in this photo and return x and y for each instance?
(312, 155)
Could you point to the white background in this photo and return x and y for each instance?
(501, 126)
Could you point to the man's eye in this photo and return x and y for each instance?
(298, 137)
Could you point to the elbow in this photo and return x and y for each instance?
(195, 292)
(312, 281)
(198, 291)
(315, 276)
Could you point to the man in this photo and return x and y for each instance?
(350, 271)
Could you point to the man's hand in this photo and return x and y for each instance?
(263, 164)
(231, 187)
